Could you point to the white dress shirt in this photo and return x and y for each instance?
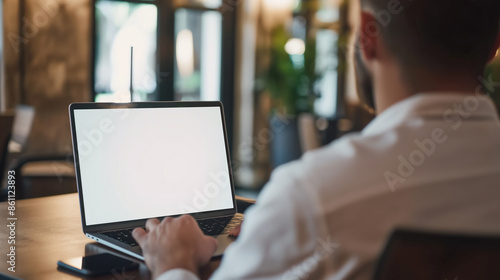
(431, 161)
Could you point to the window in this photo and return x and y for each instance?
(197, 55)
(321, 21)
(148, 50)
(123, 28)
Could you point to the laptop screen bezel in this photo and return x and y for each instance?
(145, 105)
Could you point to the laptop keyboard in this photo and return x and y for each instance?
(124, 236)
(213, 226)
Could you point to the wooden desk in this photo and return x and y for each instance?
(49, 229)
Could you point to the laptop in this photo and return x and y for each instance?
(136, 161)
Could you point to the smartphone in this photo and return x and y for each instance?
(98, 264)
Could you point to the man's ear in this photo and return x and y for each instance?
(369, 32)
(495, 48)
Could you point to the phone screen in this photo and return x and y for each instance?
(98, 264)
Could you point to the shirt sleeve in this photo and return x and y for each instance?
(279, 233)
(177, 274)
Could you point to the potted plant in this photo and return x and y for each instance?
(492, 73)
(290, 81)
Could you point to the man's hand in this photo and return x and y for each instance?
(174, 243)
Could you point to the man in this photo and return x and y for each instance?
(430, 160)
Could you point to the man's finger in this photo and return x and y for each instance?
(207, 248)
(139, 235)
(151, 224)
(211, 243)
(166, 220)
(235, 231)
(188, 218)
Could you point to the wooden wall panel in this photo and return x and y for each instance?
(53, 67)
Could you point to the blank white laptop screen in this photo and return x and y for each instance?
(140, 163)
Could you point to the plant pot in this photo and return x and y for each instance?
(285, 144)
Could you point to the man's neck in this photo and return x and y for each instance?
(391, 88)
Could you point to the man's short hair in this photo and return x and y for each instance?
(438, 34)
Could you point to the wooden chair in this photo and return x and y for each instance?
(415, 255)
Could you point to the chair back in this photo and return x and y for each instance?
(413, 255)
(21, 129)
(5, 133)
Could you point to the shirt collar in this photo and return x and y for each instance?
(433, 105)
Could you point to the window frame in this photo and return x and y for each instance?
(342, 28)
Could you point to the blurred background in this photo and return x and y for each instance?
(281, 67)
